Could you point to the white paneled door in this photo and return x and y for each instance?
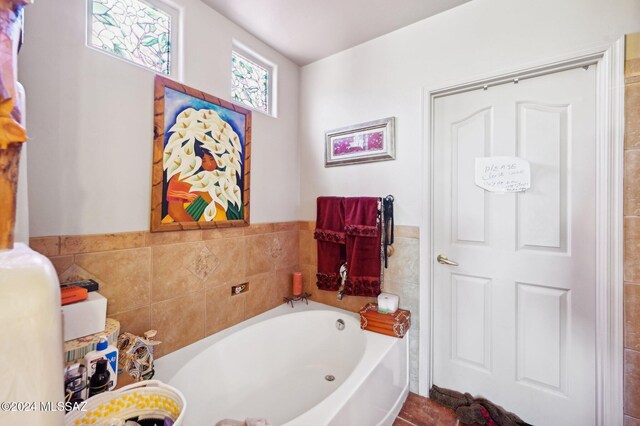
(514, 321)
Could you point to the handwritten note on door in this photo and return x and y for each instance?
(503, 174)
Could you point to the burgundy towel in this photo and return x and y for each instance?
(363, 238)
(331, 243)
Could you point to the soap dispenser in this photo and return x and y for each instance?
(103, 351)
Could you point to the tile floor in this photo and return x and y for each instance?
(420, 411)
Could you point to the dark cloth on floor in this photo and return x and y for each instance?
(331, 242)
(472, 410)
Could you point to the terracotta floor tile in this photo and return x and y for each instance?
(420, 411)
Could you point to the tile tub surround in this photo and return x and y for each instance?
(402, 277)
(632, 232)
(179, 282)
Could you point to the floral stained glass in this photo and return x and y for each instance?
(132, 30)
(249, 83)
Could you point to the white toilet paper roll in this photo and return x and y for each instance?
(387, 303)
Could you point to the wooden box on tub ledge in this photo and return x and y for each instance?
(396, 324)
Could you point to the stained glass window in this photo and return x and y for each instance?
(249, 83)
(132, 30)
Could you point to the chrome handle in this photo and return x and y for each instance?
(443, 259)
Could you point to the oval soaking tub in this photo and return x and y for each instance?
(294, 367)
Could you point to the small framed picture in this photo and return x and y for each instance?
(361, 143)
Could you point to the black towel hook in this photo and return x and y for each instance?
(388, 226)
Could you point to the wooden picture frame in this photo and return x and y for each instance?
(360, 143)
(201, 160)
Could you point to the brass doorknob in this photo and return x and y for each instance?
(443, 260)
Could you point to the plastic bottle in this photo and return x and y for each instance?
(103, 351)
(100, 380)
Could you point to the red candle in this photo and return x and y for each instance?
(297, 283)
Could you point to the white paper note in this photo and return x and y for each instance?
(503, 174)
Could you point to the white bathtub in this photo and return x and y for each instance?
(274, 366)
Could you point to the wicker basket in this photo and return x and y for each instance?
(146, 399)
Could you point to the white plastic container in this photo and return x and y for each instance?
(108, 352)
(30, 338)
(387, 303)
(84, 318)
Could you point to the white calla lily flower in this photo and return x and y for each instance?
(238, 194)
(183, 125)
(235, 140)
(220, 162)
(218, 149)
(186, 115)
(218, 174)
(234, 152)
(176, 139)
(189, 148)
(221, 198)
(173, 166)
(230, 174)
(229, 193)
(189, 166)
(221, 138)
(200, 181)
(210, 212)
(209, 144)
(230, 161)
(188, 128)
(209, 116)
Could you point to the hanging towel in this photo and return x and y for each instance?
(363, 244)
(331, 242)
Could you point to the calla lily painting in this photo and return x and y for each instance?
(201, 160)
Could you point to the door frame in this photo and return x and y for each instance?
(609, 62)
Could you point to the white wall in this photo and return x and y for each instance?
(387, 77)
(91, 122)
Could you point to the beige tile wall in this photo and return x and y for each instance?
(179, 283)
(401, 278)
(632, 233)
